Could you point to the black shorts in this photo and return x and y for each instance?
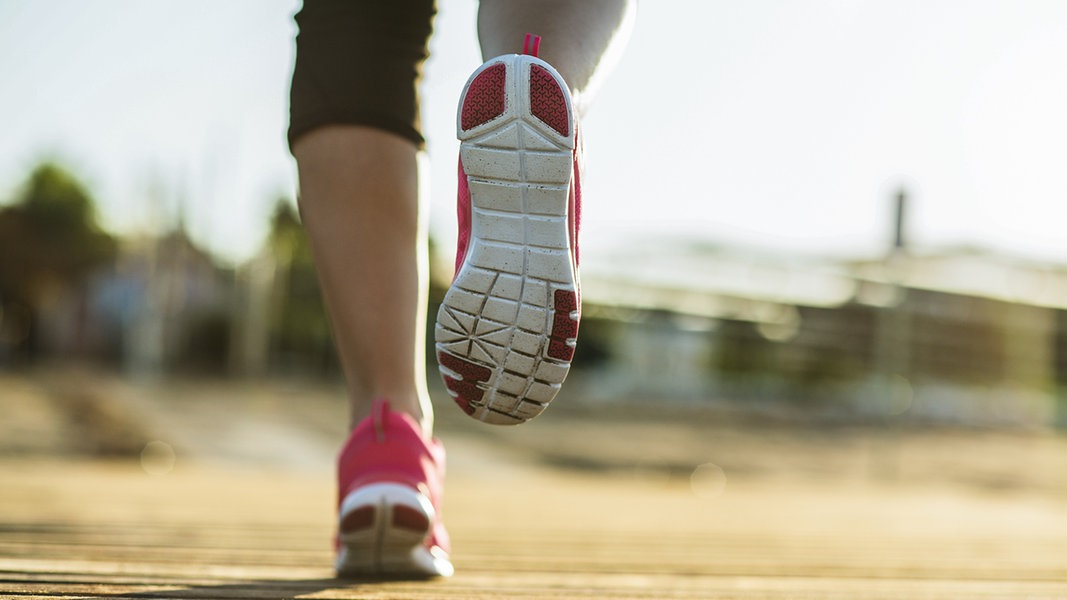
(358, 62)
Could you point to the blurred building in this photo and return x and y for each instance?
(959, 335)
(164, 304)
(953, 336)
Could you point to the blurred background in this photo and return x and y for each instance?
(841, 213)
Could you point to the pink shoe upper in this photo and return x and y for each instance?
(389, 447)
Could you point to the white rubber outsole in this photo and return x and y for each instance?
(387, 547)
(506, 329)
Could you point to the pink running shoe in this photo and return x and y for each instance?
(506, 331)
(389, 514)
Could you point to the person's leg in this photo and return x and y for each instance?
(355, 134)
(580, 38)
(360, 204)
(354, 131)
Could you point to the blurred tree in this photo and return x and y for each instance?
(58, 232)
(300, 330)
(50, 241)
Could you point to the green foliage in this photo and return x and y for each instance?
(300, 329)
(50, 233)
(50, 242)
(288, 241)
(54, 200)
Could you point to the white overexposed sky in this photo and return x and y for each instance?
(784, 125)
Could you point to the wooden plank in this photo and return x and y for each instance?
(99, 529)
(582, 504)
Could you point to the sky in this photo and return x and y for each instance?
(784, 126)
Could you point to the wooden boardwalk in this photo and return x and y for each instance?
(87, 527)
(94, 530)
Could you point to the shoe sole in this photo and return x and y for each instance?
(506, 328)
(383, 530)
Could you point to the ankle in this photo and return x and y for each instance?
(414, 406)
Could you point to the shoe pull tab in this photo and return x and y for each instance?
(378, 412)
(531, 45)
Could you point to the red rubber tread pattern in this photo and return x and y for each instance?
(359, 519)
(564, 326)
(405, 517)
(466, 390)
(547, 102)
(485, 99)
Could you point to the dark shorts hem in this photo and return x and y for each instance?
(309, 123)
(359, 62)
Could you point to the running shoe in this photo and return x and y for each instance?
(389, 514)
(506, 330)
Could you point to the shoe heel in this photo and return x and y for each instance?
(382, 529)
